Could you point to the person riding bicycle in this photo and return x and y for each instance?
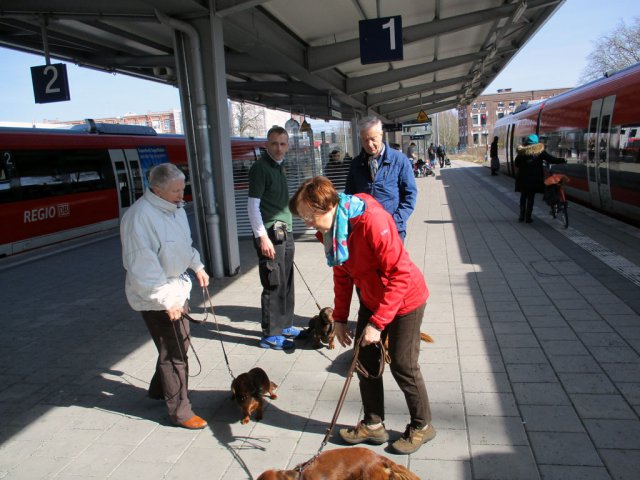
(529, 164)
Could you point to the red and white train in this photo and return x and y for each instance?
(596, 127)
(60, 184)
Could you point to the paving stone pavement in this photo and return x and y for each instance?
(534, 373)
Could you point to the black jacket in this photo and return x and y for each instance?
(529, 164)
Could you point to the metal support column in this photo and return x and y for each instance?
(215, 73)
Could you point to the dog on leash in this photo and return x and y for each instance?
(322, 329)
(354, 463)
(248, 390)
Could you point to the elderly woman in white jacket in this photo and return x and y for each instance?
(157, 251)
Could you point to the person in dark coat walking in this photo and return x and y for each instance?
(529, 163)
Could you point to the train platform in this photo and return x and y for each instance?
(534, 373)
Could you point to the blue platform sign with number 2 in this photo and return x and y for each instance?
(50, 83)
(381, 40)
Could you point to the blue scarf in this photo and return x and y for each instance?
(335, 240)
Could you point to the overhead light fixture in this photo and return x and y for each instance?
(519, 12)
(305, 127)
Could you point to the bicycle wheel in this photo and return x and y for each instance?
(563, 214)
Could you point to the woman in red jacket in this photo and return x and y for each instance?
(364, 248)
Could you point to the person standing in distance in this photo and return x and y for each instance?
(412, 153)
(272, 227)
(383, 173)
(156, 252)
(493, 155)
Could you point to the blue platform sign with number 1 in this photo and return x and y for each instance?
(50, 83)
(381, 40)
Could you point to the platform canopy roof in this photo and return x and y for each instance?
(298, 55)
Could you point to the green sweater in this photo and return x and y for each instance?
(268, 182)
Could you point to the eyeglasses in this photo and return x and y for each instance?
(308, 219)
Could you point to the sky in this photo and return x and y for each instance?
(553, 58)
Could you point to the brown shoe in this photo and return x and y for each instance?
(194, 423)
(413, 438)
(362, 433)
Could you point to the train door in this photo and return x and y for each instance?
(133, 161)
(598, 151)
(124, 179)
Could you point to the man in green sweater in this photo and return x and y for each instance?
(272, 227)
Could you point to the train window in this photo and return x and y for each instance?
(629, 146)
(39, 173)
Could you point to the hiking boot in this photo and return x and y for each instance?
(413, 438)
(362, 433)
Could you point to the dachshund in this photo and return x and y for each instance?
(248, 390)
(322, 329)
(354, 463)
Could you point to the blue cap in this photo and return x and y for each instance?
(531, 139)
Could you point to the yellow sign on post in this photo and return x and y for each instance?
(422, 117)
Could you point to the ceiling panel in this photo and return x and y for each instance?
(452, 47)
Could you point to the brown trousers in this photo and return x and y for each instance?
(404, 350)
(171, 379)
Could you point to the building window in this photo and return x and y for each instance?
(512, 103)
(167, 125)
(475, 138)
(483, 105)
(500, 114)
(475, 120)
(474, 106)
(501, 104)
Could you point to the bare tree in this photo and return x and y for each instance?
(248, 119)
(448, 128)
(618, 49)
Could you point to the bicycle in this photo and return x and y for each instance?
(556, 197)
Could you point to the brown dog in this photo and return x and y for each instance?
(322, 329)
(354, 463)
(248, 389)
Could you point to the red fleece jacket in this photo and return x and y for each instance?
(390, 283)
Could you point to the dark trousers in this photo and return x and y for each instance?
(526, 204)
(171, 378)
(276, 277)
(404, 350)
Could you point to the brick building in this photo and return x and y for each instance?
(162, 122)
(476, 121)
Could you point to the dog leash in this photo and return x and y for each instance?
(307, 285)
(355, 365)
(206, 296)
